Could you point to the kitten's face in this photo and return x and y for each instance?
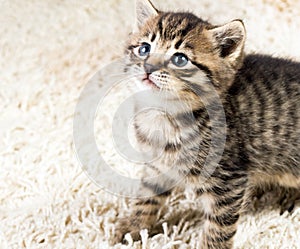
(181, 54)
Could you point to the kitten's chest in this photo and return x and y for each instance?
(171, 144)
(156, 131)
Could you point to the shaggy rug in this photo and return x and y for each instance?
(49, 51)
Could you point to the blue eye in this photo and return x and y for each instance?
(179, 60)
(144, 49)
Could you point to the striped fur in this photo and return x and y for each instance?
(260, 98)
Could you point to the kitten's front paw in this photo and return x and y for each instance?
(124, 226)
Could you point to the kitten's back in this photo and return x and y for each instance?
(265, 96)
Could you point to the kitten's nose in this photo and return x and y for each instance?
(149, 68)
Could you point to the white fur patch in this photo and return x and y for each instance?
(207, 201)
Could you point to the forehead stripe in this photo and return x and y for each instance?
(160, 25)
(177, 45)
(179, 25)
(153, 37)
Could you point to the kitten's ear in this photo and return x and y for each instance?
(230, 39)
(144, 10)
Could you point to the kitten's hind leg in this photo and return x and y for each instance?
(288, 199)
(274, 195)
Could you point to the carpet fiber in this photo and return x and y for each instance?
(49, 50)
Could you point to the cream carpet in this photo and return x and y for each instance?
(49, 50)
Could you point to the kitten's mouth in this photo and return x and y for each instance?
(146, 80)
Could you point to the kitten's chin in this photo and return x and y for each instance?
(149, 83)
(144, 84)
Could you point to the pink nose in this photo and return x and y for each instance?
(149, 68)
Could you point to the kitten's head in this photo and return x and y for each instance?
(182, 54)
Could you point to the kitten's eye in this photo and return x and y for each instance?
(179, 60)
(144, 49)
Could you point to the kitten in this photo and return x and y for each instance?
(213, 91)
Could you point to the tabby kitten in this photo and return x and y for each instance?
(252, 100)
